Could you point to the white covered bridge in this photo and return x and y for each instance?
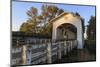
(68, 21)
(67, 35)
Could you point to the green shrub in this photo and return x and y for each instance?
(91, 45)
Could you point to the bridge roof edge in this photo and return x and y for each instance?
(62, 14)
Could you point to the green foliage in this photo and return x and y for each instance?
(91, 28)
(91, 45)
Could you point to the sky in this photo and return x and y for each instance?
(19, 10)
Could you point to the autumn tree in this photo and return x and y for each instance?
(29, 26)
(31, 23)
(36, 21)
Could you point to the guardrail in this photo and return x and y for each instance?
(41, 51)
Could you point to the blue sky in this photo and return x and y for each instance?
(19, 10)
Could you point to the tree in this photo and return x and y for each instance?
(28, 26)
(31, 23)
(32, 13)
(48, 29)
(49, 12)
(40, 23)
(91, 28)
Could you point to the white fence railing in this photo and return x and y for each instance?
(39, 53)
(16, 55)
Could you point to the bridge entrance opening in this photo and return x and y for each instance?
(67, 31)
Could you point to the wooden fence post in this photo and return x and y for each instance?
(71, 45)
(49, 59)
(28, 60)
(24, 55)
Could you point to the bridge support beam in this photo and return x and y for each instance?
(65, 46)
(80, 37)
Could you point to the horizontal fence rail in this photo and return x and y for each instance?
(40, 51)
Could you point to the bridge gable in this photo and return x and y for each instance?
(66, 18)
